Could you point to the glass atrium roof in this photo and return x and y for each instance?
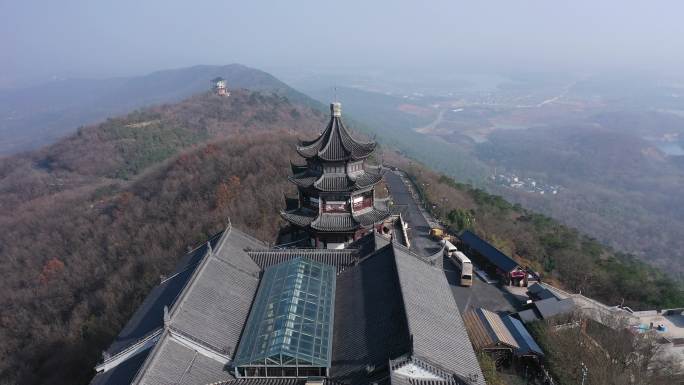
(290, 323)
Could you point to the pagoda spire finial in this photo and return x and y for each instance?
(336, 109)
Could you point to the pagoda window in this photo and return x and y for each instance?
(355, 167)
(335, 169)
(336, 207)
(362, 201)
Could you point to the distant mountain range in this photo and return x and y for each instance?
(38, 115)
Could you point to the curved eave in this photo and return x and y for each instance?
(331, 222)
(299, 217)
(304, 181)
(333, 183)
(367, 180)
(371, 216)
(343, 183)
(297, 169)
(336, 144)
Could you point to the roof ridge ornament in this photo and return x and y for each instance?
(336, 109)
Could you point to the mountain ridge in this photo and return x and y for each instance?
(52, 110)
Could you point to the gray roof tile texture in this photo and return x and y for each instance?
(387, 304)
(335, 222)
(370, 216)
(300, 216)
(439, 335)
(335, 182)
(174, 363)
(335, 144)
(211, 311)
(123, 373)
(272, 381)
(149, 316)
(214, 306)
(552, 306)
(370, 325)
(341, 259)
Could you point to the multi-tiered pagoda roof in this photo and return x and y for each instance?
(336, 144)
(336, 188)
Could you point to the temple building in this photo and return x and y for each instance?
(336, 203)
(219, 86)
(238, 313)
(361, 308)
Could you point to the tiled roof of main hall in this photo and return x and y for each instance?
(388, 303)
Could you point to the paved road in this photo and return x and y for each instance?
(419, 228)
(481, 294)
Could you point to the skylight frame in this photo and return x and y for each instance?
(291, 321)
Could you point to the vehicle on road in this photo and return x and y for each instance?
(466, 267)
(449, 248)
(436, 233)
(461, 261)
(439, 234)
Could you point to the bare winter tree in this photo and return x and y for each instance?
(581, 349)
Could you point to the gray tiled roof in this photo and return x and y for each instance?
(539, 292)
(300, 217)
(335, 222)
(370, 325)
(387, 304)
(304, 179)
(334, 182)
(335, 144)
(370, 216)
(172, 362)
(122, 373)
(368, 244)
(444, 377)
(215, 303)
(341, 259)
(439, 335)
(528, 315)
(210, 312)
(552, 306)
(149, 316)
(367, 179)
(330, 182)
(272, 381)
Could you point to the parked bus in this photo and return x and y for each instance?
(461, 260)
(449, 248)
(466, 267)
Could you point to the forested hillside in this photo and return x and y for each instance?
(38, 115)
(88, 225)
(563, 255)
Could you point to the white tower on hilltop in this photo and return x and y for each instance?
(219, 85)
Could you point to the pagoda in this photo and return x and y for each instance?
(336, 203)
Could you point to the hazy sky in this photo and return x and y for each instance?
(107, 38)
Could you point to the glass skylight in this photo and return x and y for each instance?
(290, 324)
